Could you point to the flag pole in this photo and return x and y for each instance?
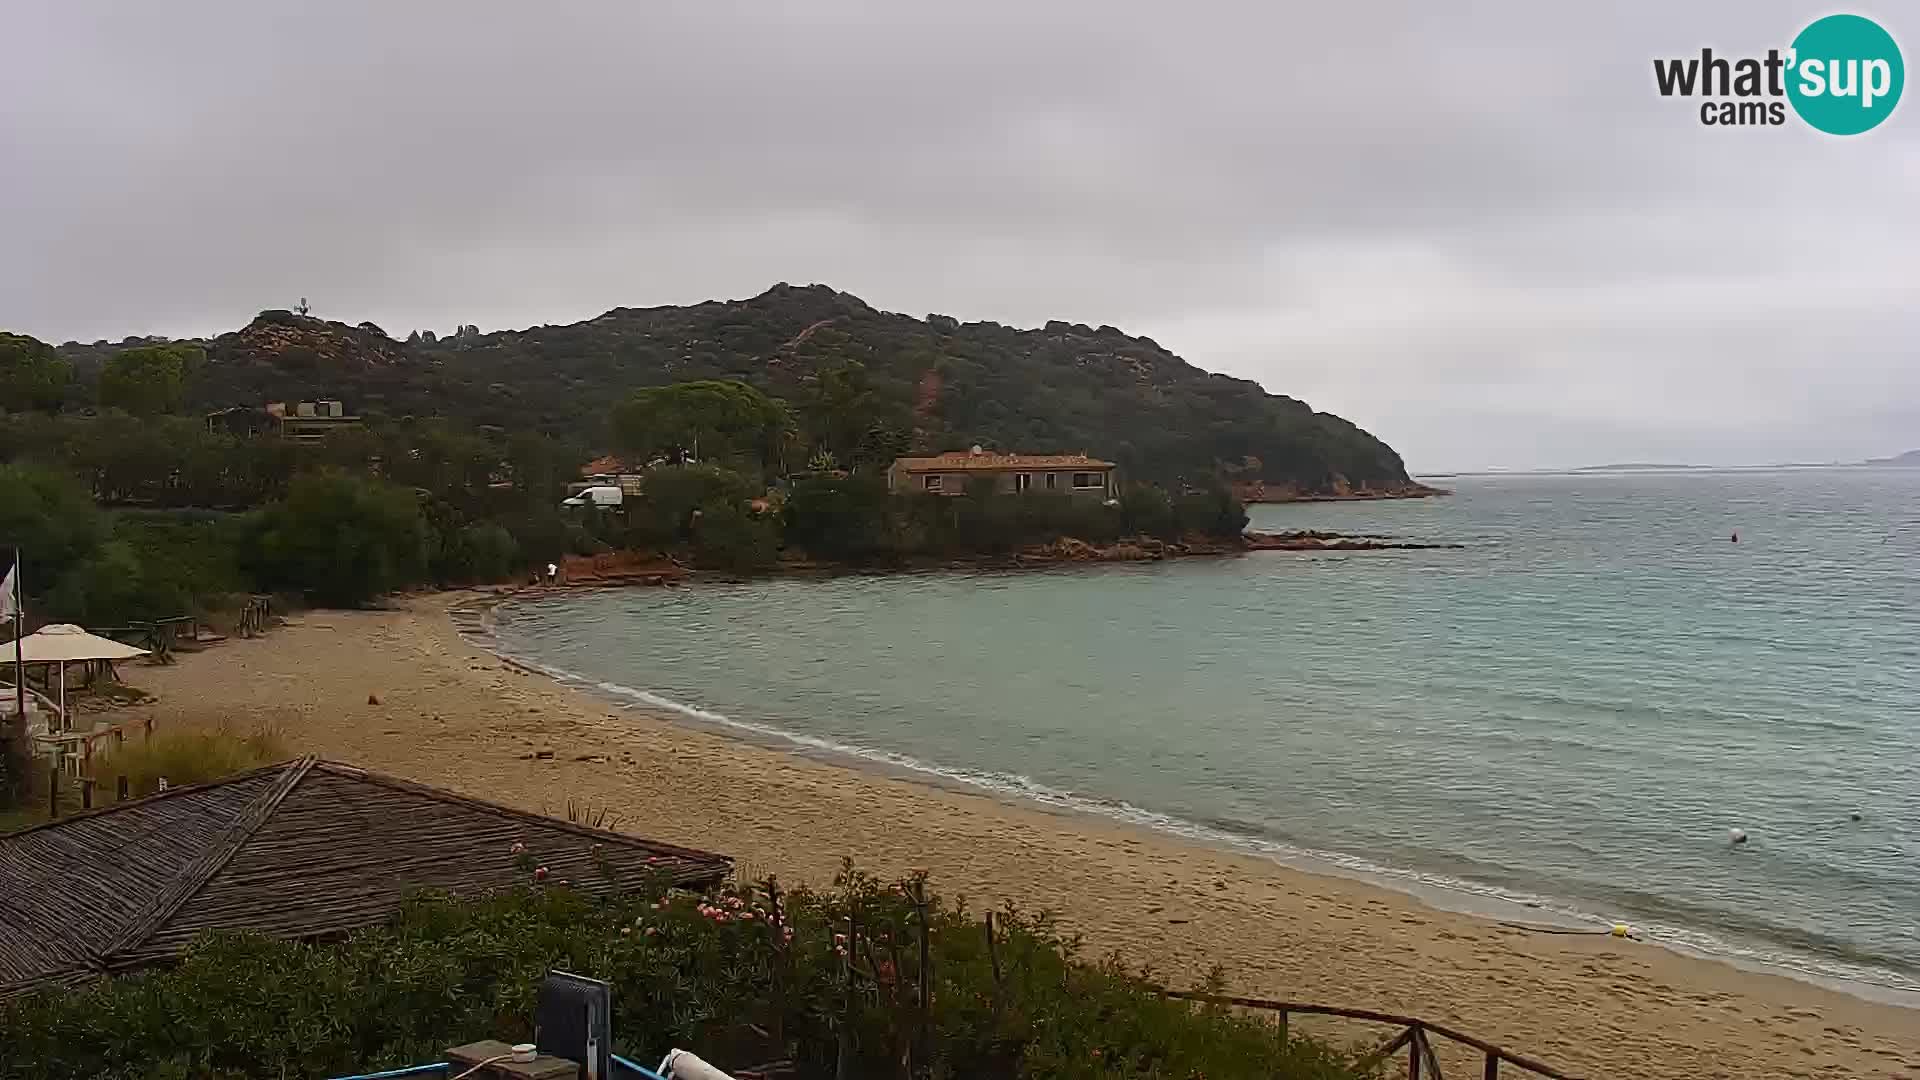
(18, 600)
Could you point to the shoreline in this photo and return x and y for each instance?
(631, 568)
(462, 717)
(1435, 890)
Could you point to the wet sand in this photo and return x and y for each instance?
(453, 715)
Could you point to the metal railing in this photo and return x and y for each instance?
(1413, 1037)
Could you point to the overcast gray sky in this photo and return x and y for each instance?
(1476, 229)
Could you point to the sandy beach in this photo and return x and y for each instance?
(450, 714)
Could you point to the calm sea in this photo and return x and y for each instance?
(1572, 711)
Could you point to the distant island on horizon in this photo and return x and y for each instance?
(1632, 466)
(1910, 459)
(1907, 460)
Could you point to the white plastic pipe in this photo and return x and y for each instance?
(682, 1065)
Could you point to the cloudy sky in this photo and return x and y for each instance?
(1479, 233)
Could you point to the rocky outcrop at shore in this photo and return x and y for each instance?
(1147, 549)
(1324, 541)
(621, 568)
(1135, 549)
(1259, 491)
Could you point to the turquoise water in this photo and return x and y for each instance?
(1573, 710)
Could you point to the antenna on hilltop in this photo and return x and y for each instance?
(302, 308)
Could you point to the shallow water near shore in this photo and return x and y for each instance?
(1571, 712)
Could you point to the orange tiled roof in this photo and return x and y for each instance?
(603, 466)
(965, 461)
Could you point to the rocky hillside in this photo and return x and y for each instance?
(1065, 387)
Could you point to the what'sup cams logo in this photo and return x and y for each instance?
(1842, 74)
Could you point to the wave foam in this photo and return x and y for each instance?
(1423, 884)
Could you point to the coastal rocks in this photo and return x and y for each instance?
(1341, 490)
(621, 568)
(1069, 549)
(1148, 549)
(1323, 541)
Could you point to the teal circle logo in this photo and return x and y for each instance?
(1845, 74)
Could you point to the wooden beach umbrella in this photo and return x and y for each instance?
(64, 643)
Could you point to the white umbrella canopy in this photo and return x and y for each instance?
(63, 644)
(67, 643)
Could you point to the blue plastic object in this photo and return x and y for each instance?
(411, 1070)
(633, 1066)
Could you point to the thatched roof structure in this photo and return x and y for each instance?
(303, 849)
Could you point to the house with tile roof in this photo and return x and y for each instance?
(1014, 474)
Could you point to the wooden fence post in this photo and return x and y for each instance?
(923, 1054)
(53, 790)
(86, 793)
(1423, 1051)
(843, 1051)
(1415, 1036)
(783, 959)
(993, 958)
(120, 788)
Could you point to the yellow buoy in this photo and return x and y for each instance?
(1621, 929)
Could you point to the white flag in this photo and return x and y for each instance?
(10, 593)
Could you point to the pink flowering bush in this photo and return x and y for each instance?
(744, 975)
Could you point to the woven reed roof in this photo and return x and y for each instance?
(301, 849)
(963, 461)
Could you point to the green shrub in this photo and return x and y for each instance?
(476, 554)
(49, 515)
(544, 534)
(662, 515)
(728, 536)
(715, 974)
(840, 517)
(1210, 511)
(1148, 511)
(340, 539)
(155, 565)
(110, 587)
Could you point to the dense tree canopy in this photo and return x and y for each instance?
(710, 418)
(851, 421)
(50, 518)
(150, 379)
(32, 375)
(342, 539)
(937, 383)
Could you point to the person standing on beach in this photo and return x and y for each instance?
(553, 574)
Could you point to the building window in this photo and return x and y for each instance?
(1022, 481)
(933, 483)
(1051, 478)
(1088, 480)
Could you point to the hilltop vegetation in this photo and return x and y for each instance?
(1064, 387)
(130, 506)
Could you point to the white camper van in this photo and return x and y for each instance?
(599, 495)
